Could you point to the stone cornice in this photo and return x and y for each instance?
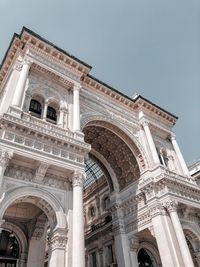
(28, 39)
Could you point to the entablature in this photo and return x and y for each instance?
(43, 139)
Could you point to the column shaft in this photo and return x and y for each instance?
(180, 156)
(181, 239)
(20, 88)
(78, 247)
(166, 251)
(151, 143)
(76, 109)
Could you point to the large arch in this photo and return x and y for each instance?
(114, 148)
(39, 197)
(124, 133)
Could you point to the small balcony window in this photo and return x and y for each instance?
(51, 115)
(35, 108)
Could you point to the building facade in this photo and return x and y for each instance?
(88, 176)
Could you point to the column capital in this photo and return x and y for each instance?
(58, 239)
(134, 243)
(171, 206)
(27, 61)
(173, 136)
(144, 123)
(5, 156)
(78, 178)
(77, 87)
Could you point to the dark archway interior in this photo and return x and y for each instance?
(144, 260)
(116, 152)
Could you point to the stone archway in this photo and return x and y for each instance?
(115, 149)
(194, 244)
(39, 217)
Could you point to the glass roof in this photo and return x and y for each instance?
(93, 172)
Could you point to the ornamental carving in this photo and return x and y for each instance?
(171, 206)
(19, 172)
(5, 156)
(58, 242)
(78, 179)
(134, 243)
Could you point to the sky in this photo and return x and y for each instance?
(151, 47)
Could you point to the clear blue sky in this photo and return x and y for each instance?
(147, 46)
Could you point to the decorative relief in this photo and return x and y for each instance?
(56, 67)
(134, 243)
(37, 146)
(19, 172)
(5, 156)
(57, 181)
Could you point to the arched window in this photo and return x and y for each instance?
(144, 259)
(35, 108)
(51, 115)
(9, 249)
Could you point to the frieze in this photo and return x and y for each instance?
(56, 67)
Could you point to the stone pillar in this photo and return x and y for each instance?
(151, 142)
(61, 118)
(76, 108)
(70, 113)
(187, 258)
(5, 156)
(133, 244)
(120, 237)
(57, 249)
(162, 237)
(44, 114)
(65, 118)
(78, 247)
(20, 88)
(179, 155)
(27, 101)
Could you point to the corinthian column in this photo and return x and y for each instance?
(78, 247)
(20, 88)
(179, 155)
(5, 156)
(151, 142)
(76, 108)
(172, 209)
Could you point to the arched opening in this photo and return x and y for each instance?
(145, 258)
(109, 147)
(193, 243)
(35, 108)
(32, 220)
(52, 112)
(9, 249)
